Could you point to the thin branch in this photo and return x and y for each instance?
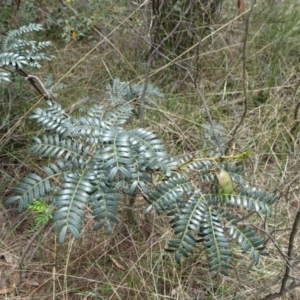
(288, 268)
(290, 251)
(38, 86)
(270, 237)
(40, 89)
(245, 81)
(42, 86)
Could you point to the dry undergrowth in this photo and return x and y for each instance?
(131, 263)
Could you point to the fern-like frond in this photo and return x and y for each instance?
(199, 168)
(120, 115)
(33, 56)
(204, 166)
(61, 168)
(116, 159)
(75, 193)
(216, 243)
(150, 151)
(215, 135)
(187, 224)
(137, 89)
(88, 127)
(119, 92)
(190, 163)
(14, 59)
(37, 187)
(105, 202)
(170, 195)
(21, 43)
(226, 214)
(8, 41)
(54, 146)
(249, 241)
(18, 51)
(252, 199)
(30, 188)
(51, 118)
(96, 111)
(139, 180)
(43, 45)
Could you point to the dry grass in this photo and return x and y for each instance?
(131, 263)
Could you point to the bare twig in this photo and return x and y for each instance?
(44, 90)
(288, 268)
(245, 80)
(290, 251)
(270, 237)
(40, 88)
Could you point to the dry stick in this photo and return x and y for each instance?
(270, 237)
(295, 263)
(33, 78)
(40, 88)
(40, 91)
(245, 82)
(288, 268)
(26, 250)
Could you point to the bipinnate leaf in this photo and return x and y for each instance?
(29, 188)
(73, 197)
(186, 224)
(216, 243)
(249, 241)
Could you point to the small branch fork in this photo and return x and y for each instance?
(36, 83)
(42, 91)
(38, 86)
